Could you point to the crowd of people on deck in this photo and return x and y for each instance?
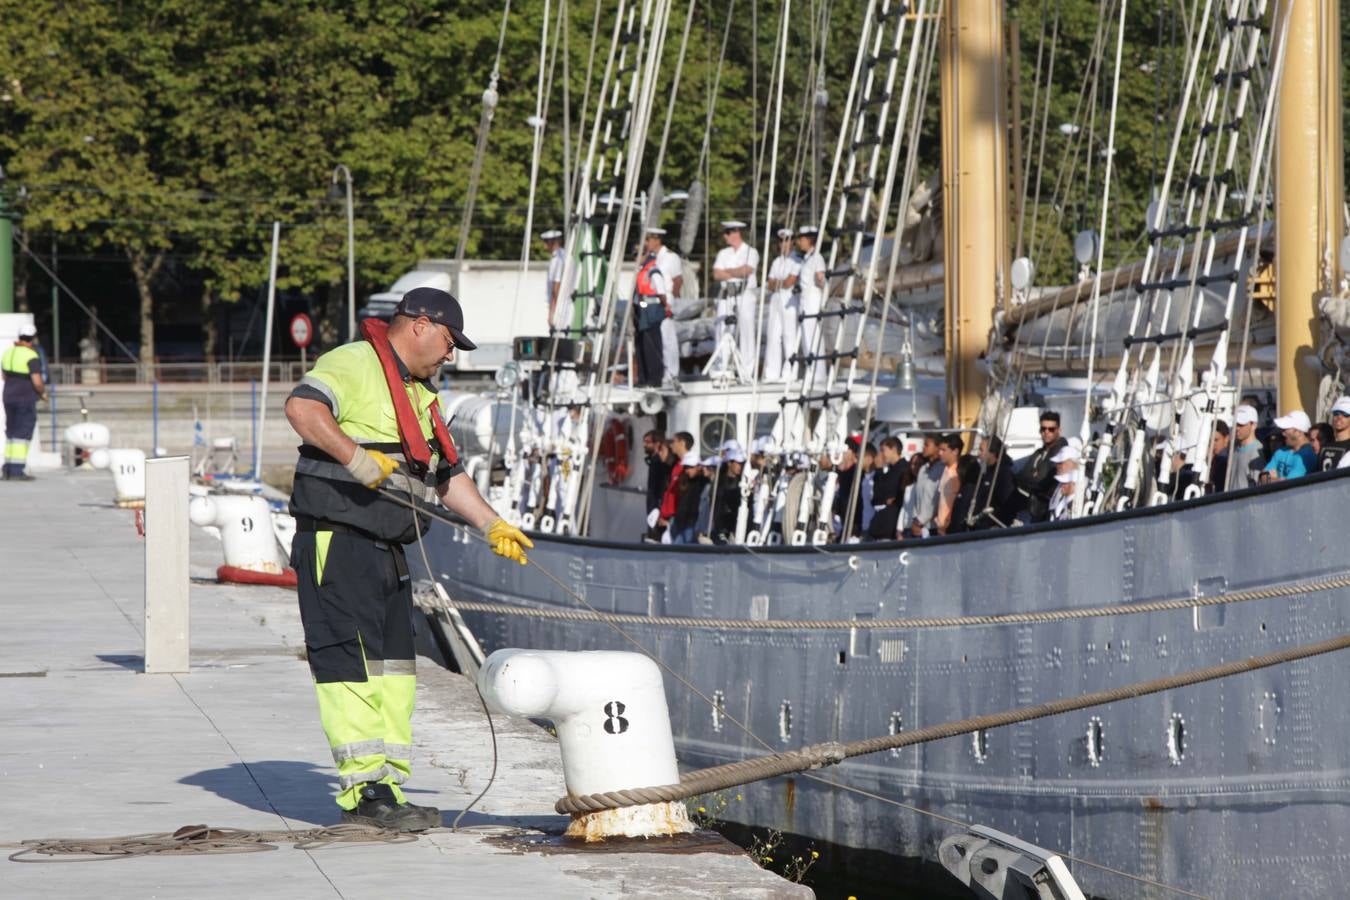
(949, 486)
(785, 330)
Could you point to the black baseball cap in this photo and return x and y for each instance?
(438, 306)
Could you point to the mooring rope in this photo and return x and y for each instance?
(817, 756)
(1284, 589)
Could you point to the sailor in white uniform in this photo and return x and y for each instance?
(780, 332)
(559, 301)
(811, 287)
(668, 262)
(734, 269)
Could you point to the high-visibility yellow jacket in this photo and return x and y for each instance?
(19, 363)
(351, 382)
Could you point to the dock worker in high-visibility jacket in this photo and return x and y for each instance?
(371, 426)
(22, 370)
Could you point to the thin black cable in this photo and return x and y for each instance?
(492, 729)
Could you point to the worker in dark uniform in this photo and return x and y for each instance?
(372, 428)
(22, 369)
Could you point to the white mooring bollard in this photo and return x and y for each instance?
(128, 472)
(88, 436)
(613, 726)
(248, 540)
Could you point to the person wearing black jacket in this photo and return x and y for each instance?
(996, 497)
(1036, 479)
(659, 464)
(888, 491)
(848, 470)
(727, 503)
(968, 479)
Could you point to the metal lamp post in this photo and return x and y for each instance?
(6, 252)
(346, 173)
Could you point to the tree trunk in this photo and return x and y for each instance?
(144, 268)
(21, 280)
(211, 333)
(332, 325)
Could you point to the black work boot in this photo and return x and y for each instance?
(379, 808)
(429, 814)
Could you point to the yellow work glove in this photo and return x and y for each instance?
(507, 540)
(370, 467)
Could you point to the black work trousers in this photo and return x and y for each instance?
(356, 608)
(650, 370)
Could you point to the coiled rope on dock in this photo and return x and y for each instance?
(1284, 589)
(198, 840)
(817, 756)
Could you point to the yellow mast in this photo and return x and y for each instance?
(1308, 191)
(975, 193)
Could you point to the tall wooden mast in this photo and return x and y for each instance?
(975, 193)
(1309, 191)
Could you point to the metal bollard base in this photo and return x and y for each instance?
(652, 820)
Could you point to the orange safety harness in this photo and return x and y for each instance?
(416, 449)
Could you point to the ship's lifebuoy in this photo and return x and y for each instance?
(615, 447)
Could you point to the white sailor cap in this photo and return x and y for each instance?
(1342, 406)
(807, 231)
(729, 445)
(690, 459)
(1245, 415)
(1067, 453)
(657, 230)
(734, 225)
(552, 234)
(711, 462)
(785, 232)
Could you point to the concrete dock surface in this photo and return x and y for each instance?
(92, 747)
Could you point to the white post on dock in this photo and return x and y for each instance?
(267, 350)
(166, 564)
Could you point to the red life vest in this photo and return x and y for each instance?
(416, 449)
(644, 278)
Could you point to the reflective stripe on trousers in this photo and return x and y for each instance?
(16, 451)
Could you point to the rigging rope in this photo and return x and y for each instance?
(480, 148)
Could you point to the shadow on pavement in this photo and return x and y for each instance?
(290, 788)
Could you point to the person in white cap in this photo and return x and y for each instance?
(727, 501)
(693, 481)
(734, 269)
(658, 282)
(1246, 459)
(810, 298)
(780, 332)
(1336, 454)
(1296, 458)
(553, 286)
(1067, 477)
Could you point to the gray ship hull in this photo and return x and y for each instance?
(1227, 788)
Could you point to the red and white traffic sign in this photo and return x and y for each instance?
(302, 330)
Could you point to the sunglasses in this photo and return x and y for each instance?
(1052, 428)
